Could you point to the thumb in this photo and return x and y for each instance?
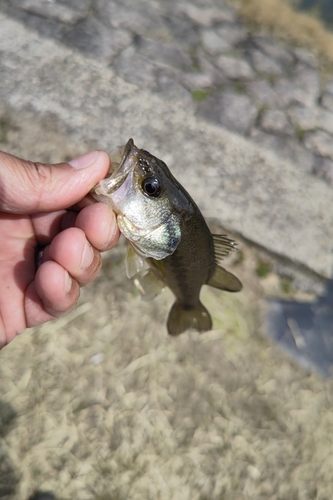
(27, 187)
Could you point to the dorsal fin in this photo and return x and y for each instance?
(223, 246)
(224, 280)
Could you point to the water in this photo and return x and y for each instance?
(320, 8)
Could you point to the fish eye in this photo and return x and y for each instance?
(152, 186)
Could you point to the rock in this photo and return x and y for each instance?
(309, 79)
(215, 73)
(233, 34)
(46, 27)
(232, 111)
(299, 155)
(181, 30)
(329, 87)
(302, 88)
(213, 43)
(273, 49)
(234, 68)
(276, 122)
(284, 147)
(291, 93)
(265, 64)
(95, 39)
(327, 101)
(206, 17)
(69, 12)
(305, 56)
(325, 120)
(164, 54)
(327, 96)
(323, 168)
(174, 91)
(136, 69)
(262, 92)
(138, 19)
(304, 119)
(194, 81)
(266, 140)
(320, 143)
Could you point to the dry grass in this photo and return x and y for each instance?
(102, 404)
(284, 22)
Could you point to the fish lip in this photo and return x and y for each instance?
(126, 165)
(128, 149)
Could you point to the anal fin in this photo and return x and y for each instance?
(224, 280)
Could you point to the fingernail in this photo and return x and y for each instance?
(88, 256)
(111, 229)
(68, 283)
(85, 160)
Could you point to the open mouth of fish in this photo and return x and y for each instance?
(115, 187)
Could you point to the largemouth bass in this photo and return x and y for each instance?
(170, 243)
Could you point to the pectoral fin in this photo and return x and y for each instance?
(133, 262)
(224, 280)
(149, 284)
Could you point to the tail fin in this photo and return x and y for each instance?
(181, 319)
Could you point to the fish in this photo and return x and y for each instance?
(170, 244)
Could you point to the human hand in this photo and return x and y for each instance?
(46, 206)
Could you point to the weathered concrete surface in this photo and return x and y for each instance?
(270, 202)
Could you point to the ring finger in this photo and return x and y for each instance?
(73, 252)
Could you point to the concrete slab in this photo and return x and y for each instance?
(246, 189)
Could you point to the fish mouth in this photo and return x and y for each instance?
(122, 163)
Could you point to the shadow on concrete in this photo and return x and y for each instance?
(42, 495)
(9, 476)
(7, 418)
(304, 330)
